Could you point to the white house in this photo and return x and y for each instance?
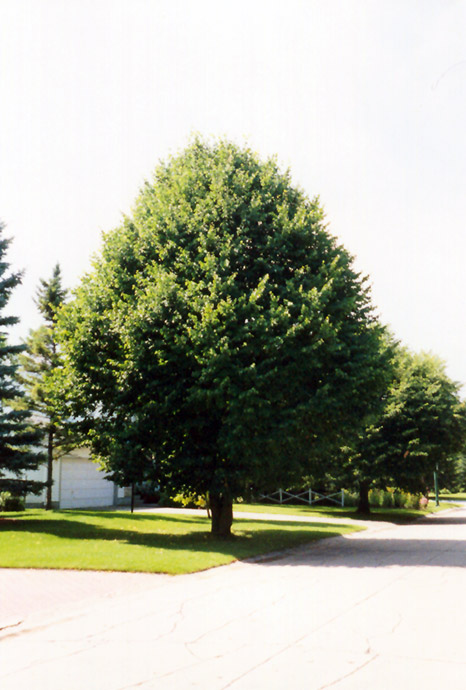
(78, 483)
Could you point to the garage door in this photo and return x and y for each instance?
(83, 485)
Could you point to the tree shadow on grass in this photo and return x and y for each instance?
(258, 538)
(250, 538)
(134, 517)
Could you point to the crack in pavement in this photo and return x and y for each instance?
(349, 674)
(41, 662)
(10, 625)
(155, 676)
(320, 627)
(237, 618)
(182, 622)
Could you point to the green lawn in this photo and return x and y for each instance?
(94, 540)
(449, 497)
(395, 515)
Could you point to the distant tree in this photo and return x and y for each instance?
(223, 338)
(17, 436)
(51, 296)
(422, 428)
(39, 373)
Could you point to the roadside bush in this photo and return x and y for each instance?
(406, 500)
(391, 498)
(382, 499)
(10, 503)
(189, 500)
(166, 501)
(351, 499)
(388, 498)
(413, 501)
(151, 492)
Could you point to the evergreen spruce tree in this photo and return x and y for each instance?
(50, 296)
(18, 439)
(39, 372)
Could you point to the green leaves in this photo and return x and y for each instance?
(421, 425)
(228, 322)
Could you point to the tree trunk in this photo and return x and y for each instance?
(221, 508)
(364, 507)
(48, 496)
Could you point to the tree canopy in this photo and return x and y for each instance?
(17, 436)
(421, 428)
(223, 337)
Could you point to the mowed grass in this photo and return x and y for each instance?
(461, 496)
(394, 515)
(156, 543)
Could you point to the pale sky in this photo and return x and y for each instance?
(364, 100)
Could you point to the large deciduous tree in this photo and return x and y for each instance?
(17, 436)
(223, 337)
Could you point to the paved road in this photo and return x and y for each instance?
(383, 608)
(29, 596)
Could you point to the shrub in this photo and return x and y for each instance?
(406, 500)
(388, 498)
(382, 499)
(413, 501)
(424, 502)
(351, 499)
(189, 500)
(10, 503)
(166, 501)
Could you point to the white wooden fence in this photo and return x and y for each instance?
(309, 496)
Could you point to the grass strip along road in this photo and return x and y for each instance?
(394, 515)
(158, 543)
